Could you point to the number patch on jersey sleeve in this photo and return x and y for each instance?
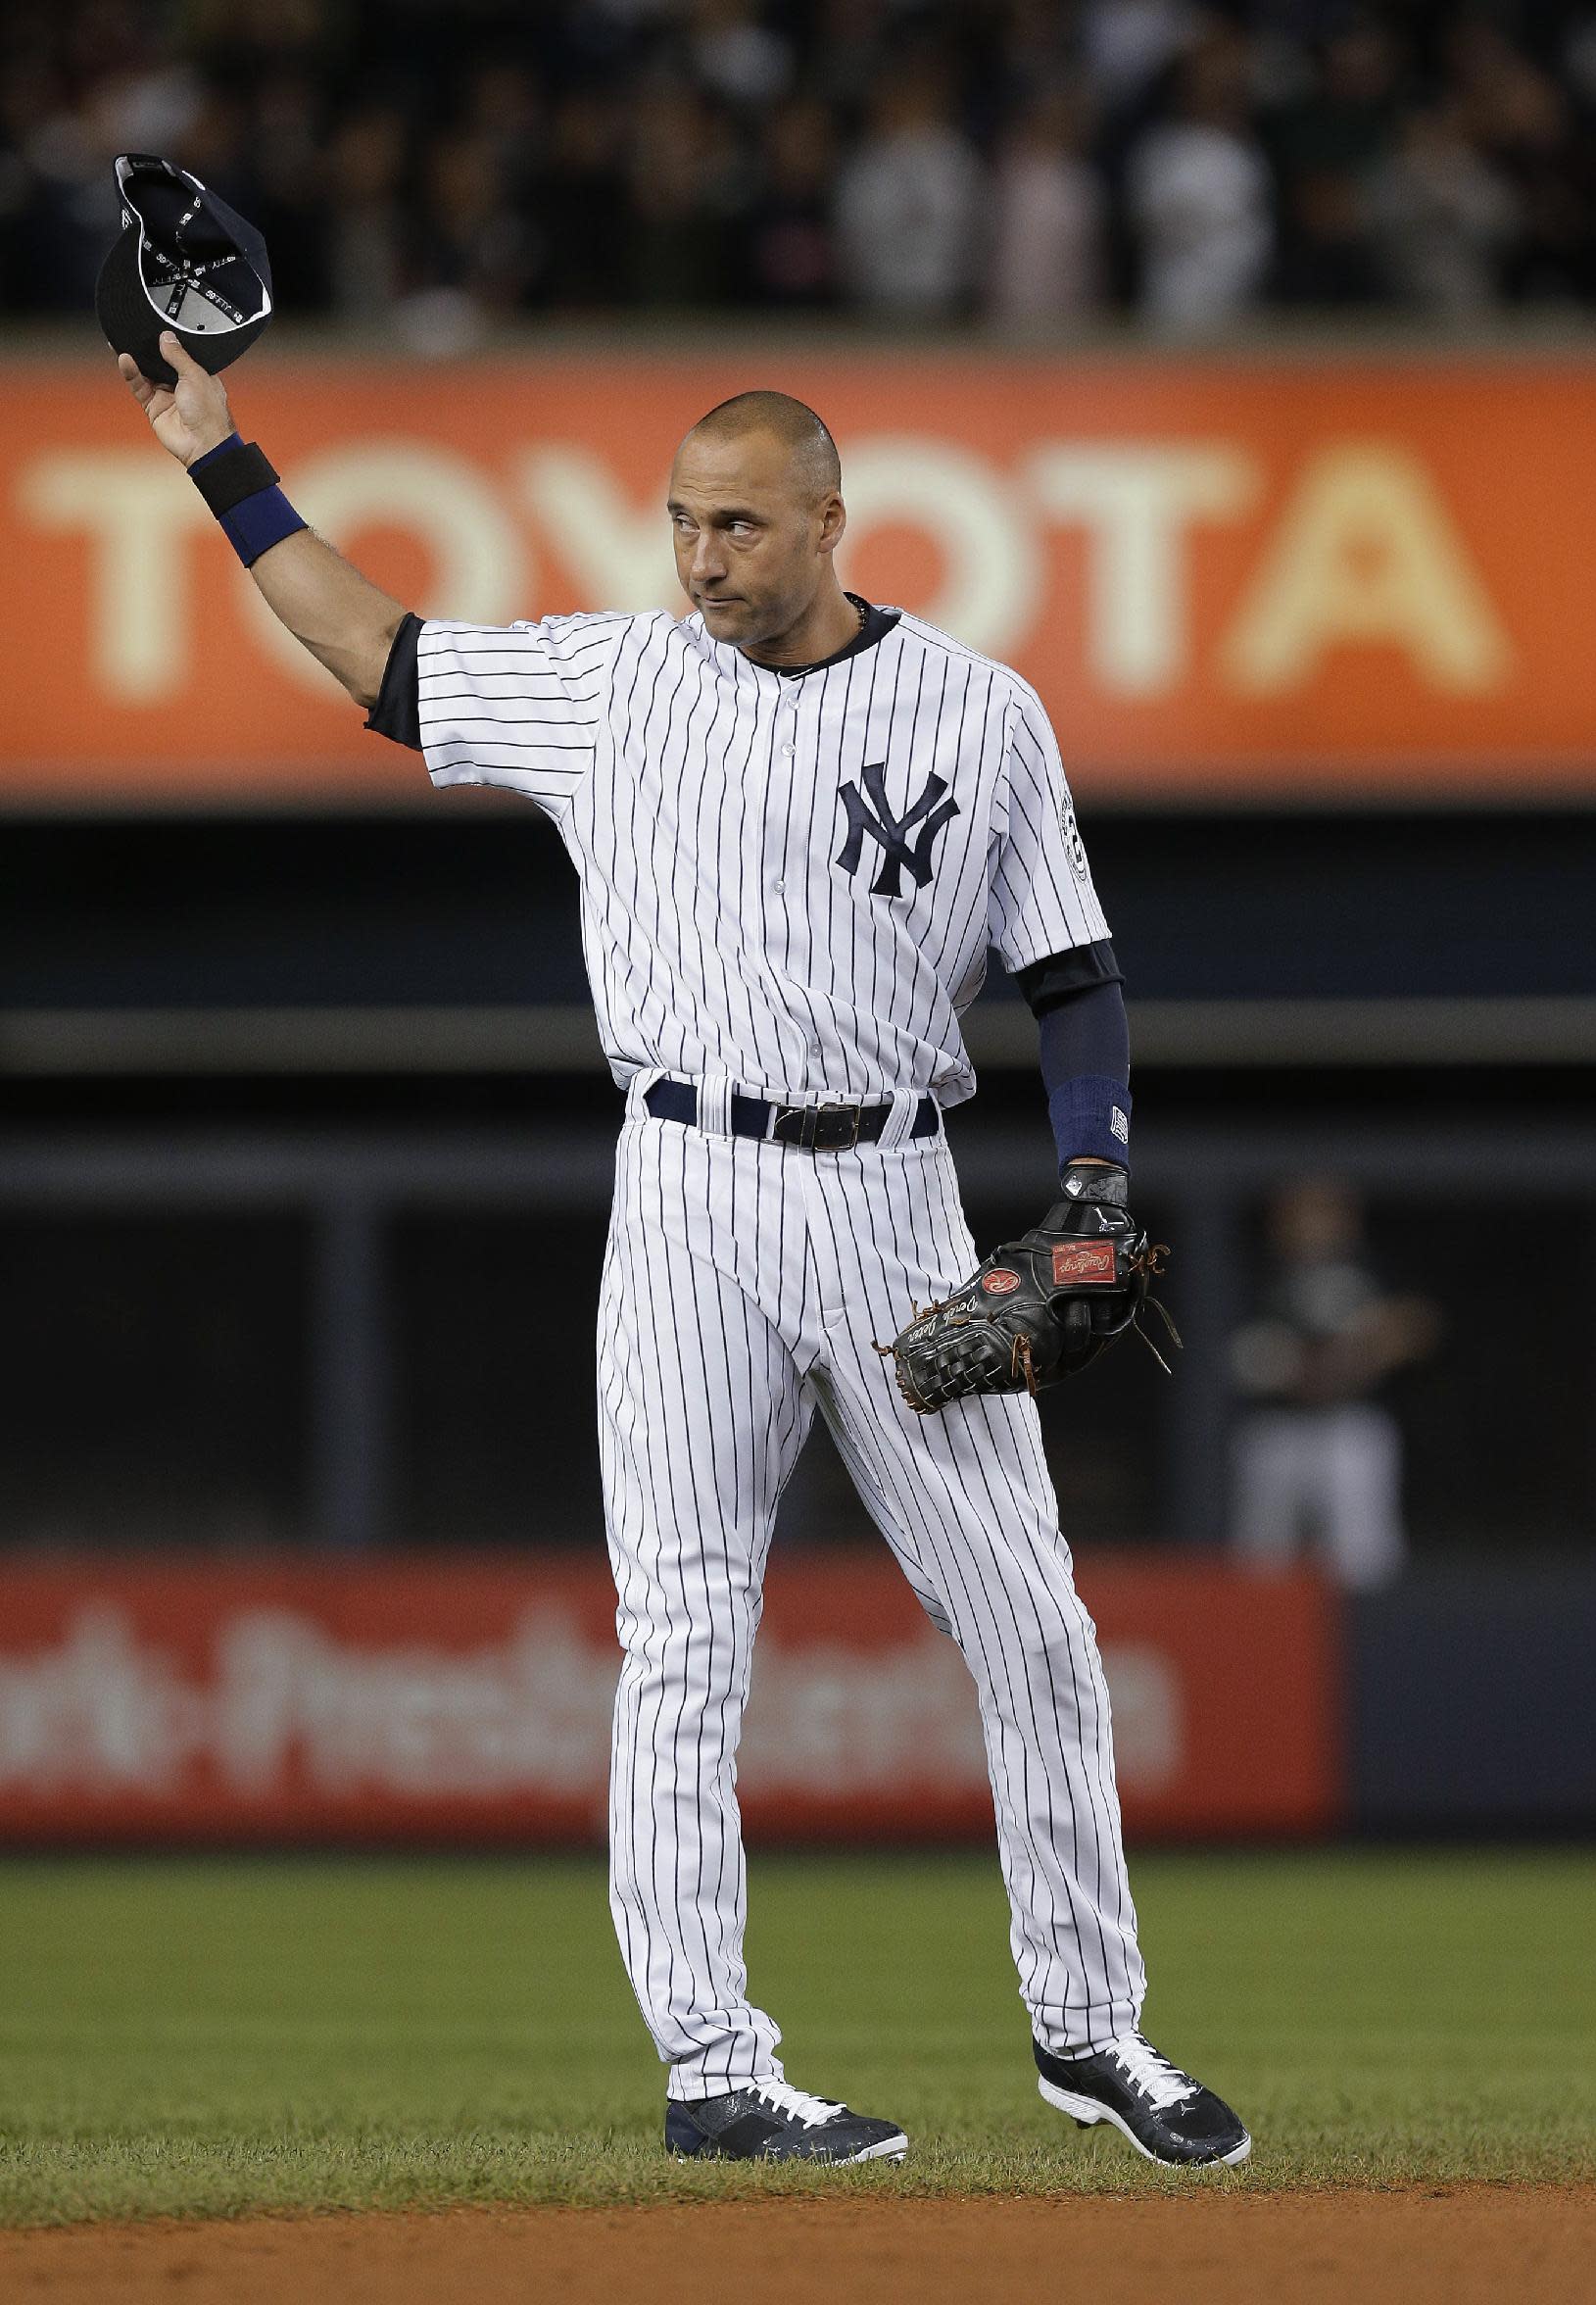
(1075, 848)
(1091, 1262)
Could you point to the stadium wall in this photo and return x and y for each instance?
(470, 1700)
(467, 1702)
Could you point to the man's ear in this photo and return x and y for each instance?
(832, 521)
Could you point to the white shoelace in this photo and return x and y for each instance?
(1162, 2083)
(781, 2098)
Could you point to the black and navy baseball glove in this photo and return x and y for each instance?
(1040, 1309)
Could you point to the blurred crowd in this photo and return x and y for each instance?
(451, 164)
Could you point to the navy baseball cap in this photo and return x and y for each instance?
(185, 261)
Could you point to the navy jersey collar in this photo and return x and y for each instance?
(877, 622)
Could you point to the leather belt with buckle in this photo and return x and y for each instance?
(811, 1128)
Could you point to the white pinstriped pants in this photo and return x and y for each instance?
(744, 1283)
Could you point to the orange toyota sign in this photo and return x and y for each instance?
(1264, 579)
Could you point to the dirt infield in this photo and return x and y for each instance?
(1436, 2247)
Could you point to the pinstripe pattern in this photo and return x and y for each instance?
(744, 1283)
(699, 796)
(745, 923)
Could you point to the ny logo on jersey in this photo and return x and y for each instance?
(870, 811)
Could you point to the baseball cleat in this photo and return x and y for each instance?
(771, 2120)
(1168, 2116)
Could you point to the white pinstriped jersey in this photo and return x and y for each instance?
(791, 880)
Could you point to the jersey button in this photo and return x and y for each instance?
(789, 750)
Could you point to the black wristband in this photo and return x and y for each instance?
(1095, 1183)
(224, 476)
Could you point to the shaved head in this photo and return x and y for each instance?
(794, 425)
(756, 513)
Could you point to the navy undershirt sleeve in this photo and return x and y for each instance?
(1049, 981)
(397, 713)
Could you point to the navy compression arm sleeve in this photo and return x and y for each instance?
(1086, 1069)
(1086, 1050)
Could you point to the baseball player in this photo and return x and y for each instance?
(799, 821)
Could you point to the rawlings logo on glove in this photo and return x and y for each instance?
(1040, 1309)
(1085, 1262)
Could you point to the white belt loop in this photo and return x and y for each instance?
(637, 1089)
(714, 1103)
(905, 1104)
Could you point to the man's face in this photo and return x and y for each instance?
(753, 535)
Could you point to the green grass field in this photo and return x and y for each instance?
(212, 2038)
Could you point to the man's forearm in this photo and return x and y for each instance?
(346, 622)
